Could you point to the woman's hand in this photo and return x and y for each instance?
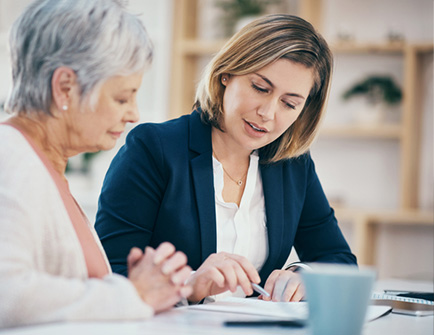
(284, 286)
(221, 272)
(159, 275)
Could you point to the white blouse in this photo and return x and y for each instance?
(242, 230)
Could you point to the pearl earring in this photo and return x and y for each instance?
(65, 107)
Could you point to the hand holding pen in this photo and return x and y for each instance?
(284, 285)
(222, 272)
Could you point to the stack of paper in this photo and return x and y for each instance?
(284, 310)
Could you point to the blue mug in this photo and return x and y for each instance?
(338, 297)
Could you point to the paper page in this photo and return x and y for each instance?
(284, 310)
(253, 306)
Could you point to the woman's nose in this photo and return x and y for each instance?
(267, 111)
(132, 115)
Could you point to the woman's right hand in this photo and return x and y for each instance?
(221, 272)
(159, 275)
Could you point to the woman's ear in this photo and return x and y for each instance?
(62, 85)
(225, 79)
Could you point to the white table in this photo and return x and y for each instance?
(182, 321)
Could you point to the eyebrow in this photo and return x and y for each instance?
(133, 90)
(272, 85)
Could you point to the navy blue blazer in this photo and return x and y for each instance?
(160, 187)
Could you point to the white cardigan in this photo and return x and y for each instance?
(43, 274)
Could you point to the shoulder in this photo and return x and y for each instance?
(25, 184)
(173, 137)
(294, 171)
(18, 160)
(9, 135)
(303, 161)
(299, 163)
(171, 129)
(155, 146)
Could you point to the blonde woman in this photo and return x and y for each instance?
(77, 66)
(233, 184)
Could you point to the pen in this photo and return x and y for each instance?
(260, 290)
(256, 323)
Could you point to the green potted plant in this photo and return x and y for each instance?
(238, 13)
(379, 92)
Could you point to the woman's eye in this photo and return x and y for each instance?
(259, 89)
(122, 101)
(288, 105)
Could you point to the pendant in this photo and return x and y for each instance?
(240, 182)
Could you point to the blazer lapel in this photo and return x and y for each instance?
(273, 194)
(203, 183)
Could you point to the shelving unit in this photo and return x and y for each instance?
(388, 131)
(187, 50)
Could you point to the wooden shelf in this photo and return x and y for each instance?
(358, 48)
(201, 47)
(387, 217)
(192, 47)
(386, 131)
(367, 222)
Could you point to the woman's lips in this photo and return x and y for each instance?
(254, 129)
(116, 134)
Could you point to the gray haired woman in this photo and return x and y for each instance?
(77, 66)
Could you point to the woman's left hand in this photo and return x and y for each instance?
(284, 286)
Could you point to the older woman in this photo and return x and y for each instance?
(233, 184)
(77, 66)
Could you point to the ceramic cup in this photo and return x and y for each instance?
(337, 297)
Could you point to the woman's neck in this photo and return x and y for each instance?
(235, 162)
(228, 151)
(45, 132)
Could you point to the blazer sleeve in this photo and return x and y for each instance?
(131, 196)
(318, 237)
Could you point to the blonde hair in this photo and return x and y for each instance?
(259, 44)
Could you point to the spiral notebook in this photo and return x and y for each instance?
(404, 305)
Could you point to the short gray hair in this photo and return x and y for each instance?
(97, 39)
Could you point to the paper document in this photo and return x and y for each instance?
(285, 310)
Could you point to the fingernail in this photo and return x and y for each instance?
(157, 260)
(186, 291)
(175, 279)
(166, 269)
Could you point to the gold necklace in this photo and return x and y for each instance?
(239, 182)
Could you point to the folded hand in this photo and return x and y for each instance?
(159, 275)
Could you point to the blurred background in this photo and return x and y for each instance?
(374, 154)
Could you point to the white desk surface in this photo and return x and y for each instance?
(181, 321)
